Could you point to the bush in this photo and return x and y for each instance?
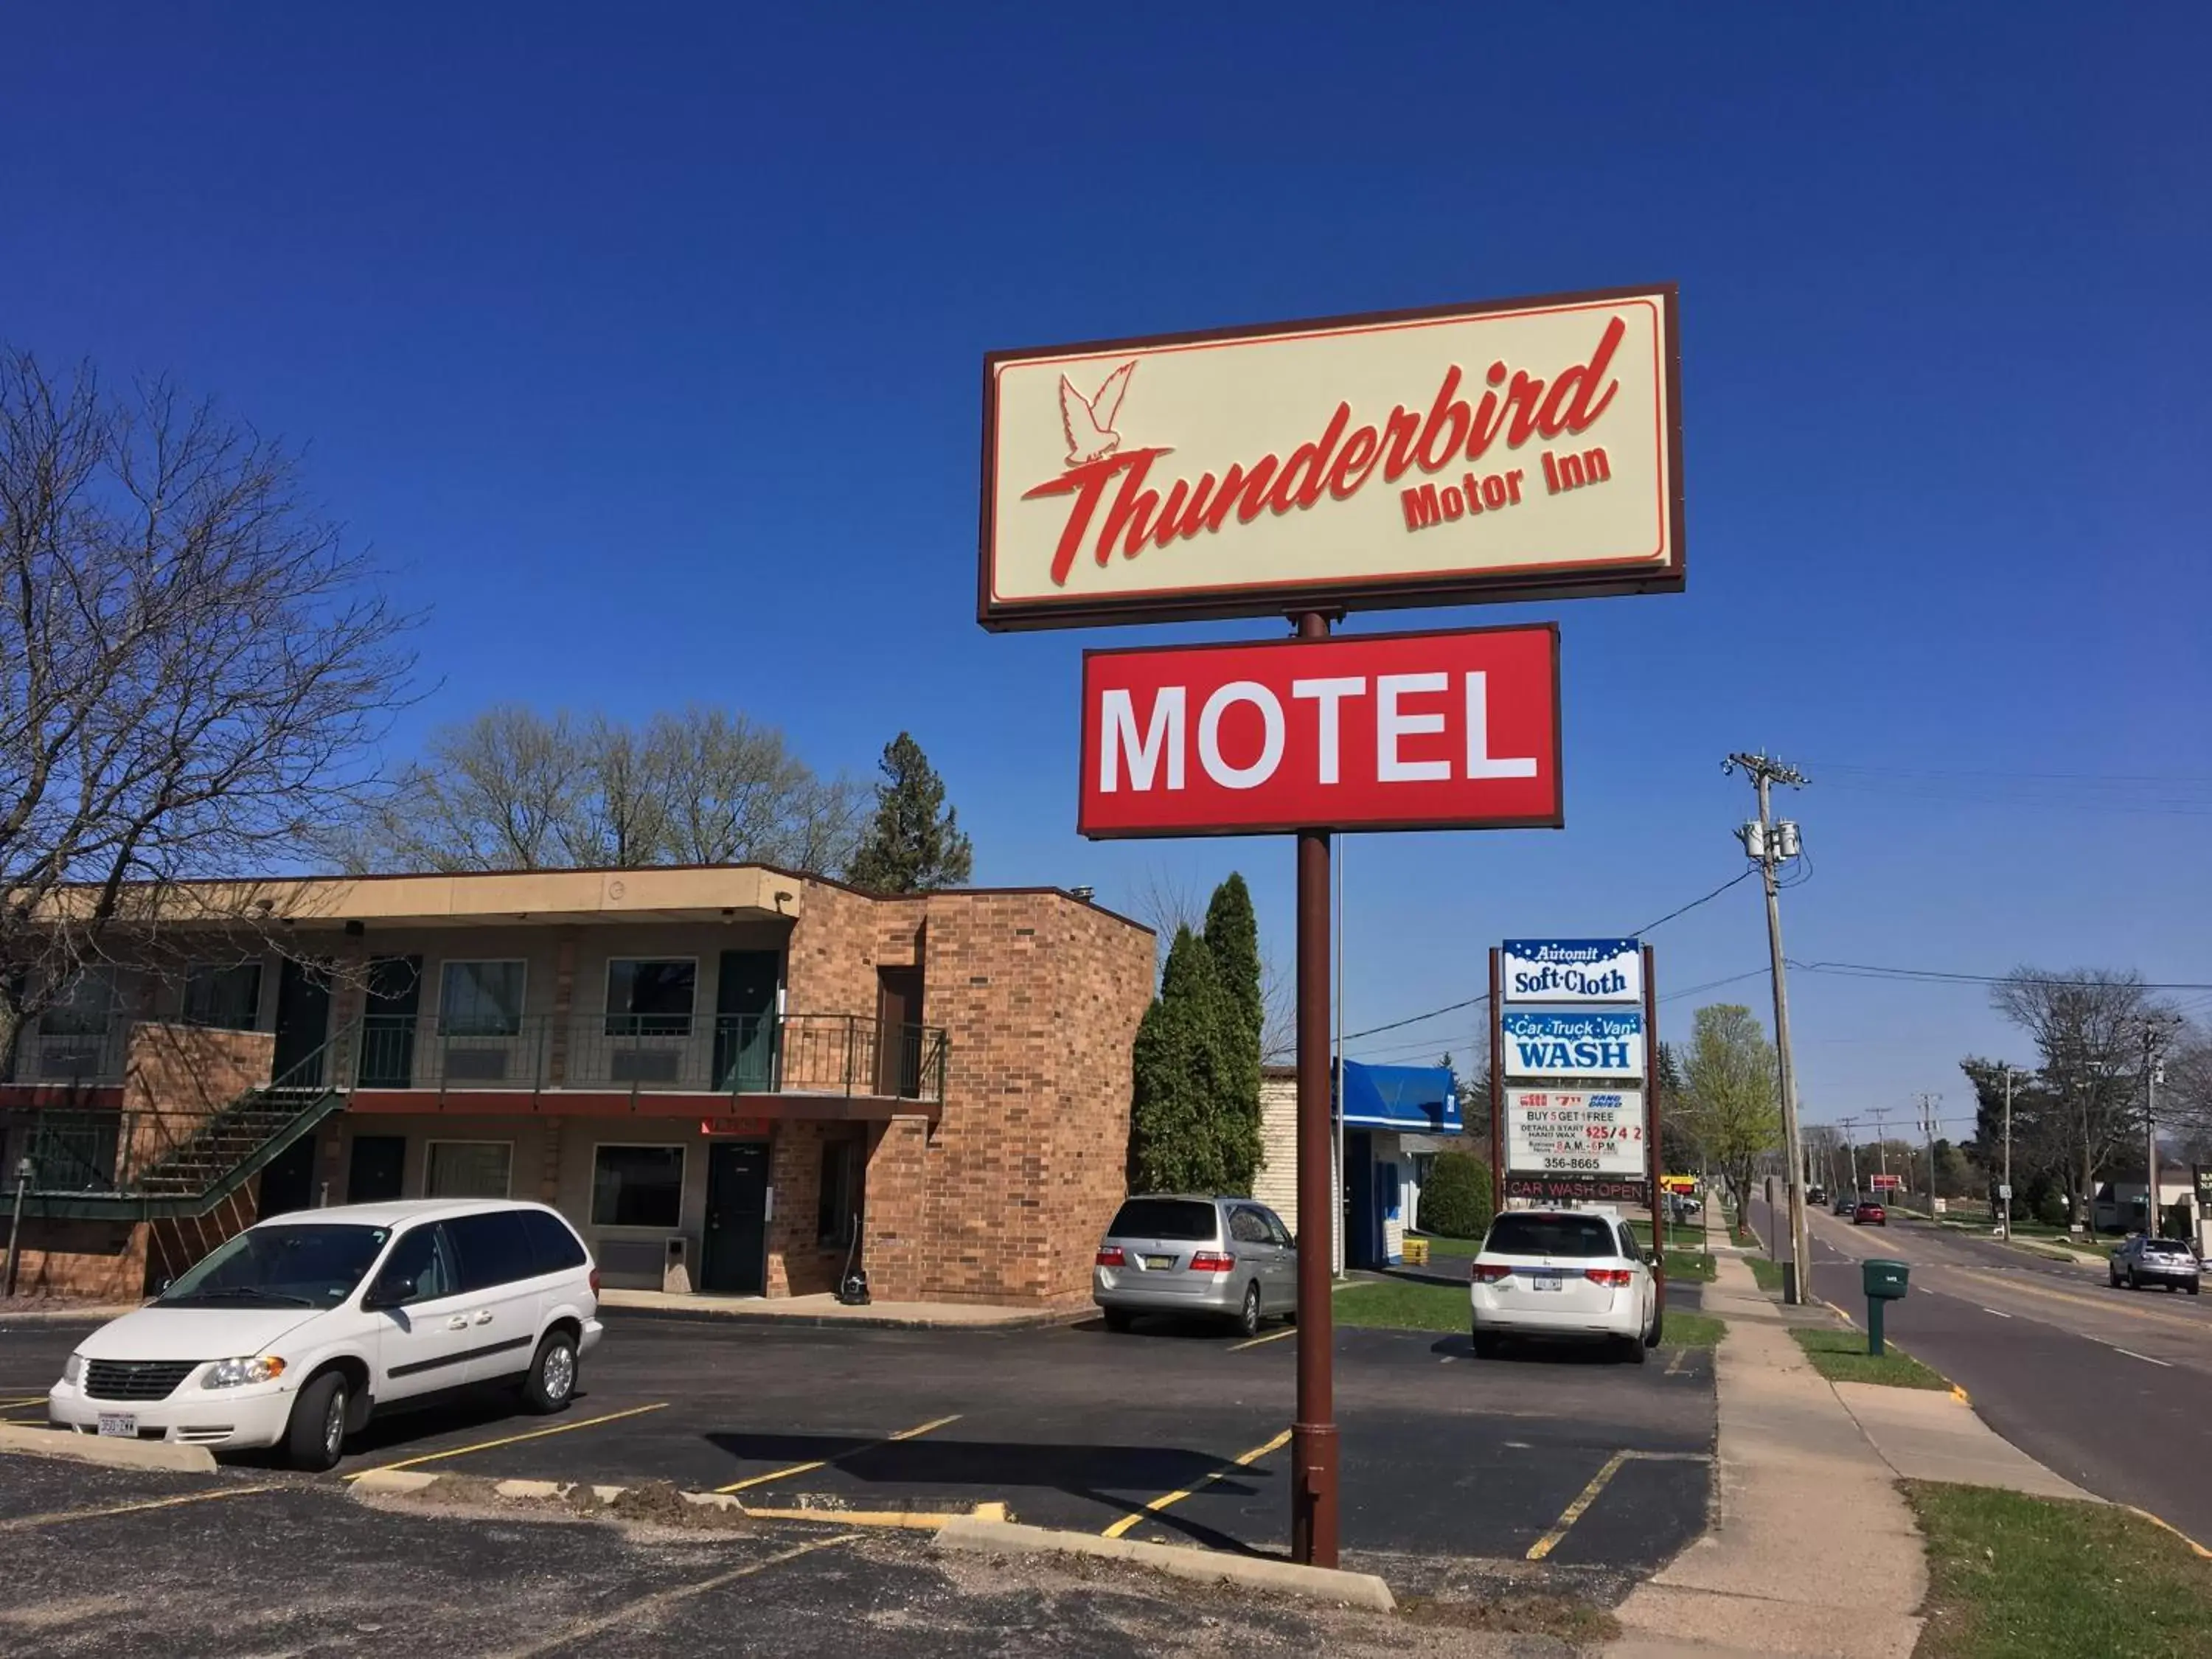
(1456, 1201)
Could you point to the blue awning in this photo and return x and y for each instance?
(1416, 1099)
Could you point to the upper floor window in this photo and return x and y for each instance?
(83, 1008)
(227, 997)
(481, 999)
(651, 997)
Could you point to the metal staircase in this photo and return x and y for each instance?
(224, 1152)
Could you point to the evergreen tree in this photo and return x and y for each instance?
(1183, 1060)
(915, 844)
(1232, 939)
(1457, 1203)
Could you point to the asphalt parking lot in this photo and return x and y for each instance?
(1165, 1434)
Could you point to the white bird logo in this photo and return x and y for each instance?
(1088, 422)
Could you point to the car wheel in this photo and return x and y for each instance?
(1658, 1326)
(316, 1434)
(1631, 1349)
(2113, 1274)
(2134, 1283)
(550, 1382)
(1248, 1316)
(1116, 1320)
(1486, 1344)
(2192, 1287)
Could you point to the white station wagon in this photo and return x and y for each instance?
(292, 1332)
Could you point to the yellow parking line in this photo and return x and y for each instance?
(1272, 1336)
(512, 1439)
(915, 1433)
(19, 1522)
(1550, 1541)
(1244, 1461)
(27, 1399)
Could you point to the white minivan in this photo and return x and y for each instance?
(292, 1332)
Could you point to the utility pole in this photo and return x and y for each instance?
(23, 1167)
(1880, 1115)
(1851, 1152)
(1770, 844)
(2004, 1185)
(2155, 1034)
(1929, 1102)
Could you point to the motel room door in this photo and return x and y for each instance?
(733, 1258)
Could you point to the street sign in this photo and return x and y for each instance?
(1573, 970)
(1456, 731)
(2004, 1191)
(1513, 449)
(1579, 1043)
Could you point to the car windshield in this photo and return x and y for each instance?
(302, 1266)
(1164, 1217)
(2163, 1247)
(1550, 1235)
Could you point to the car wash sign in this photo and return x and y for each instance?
(1508, 450)
(1554, 1134)
(1596, 1043)
(1573, 970)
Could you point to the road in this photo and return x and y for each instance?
(2111, 1388)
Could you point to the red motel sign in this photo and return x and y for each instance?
(1445, 730)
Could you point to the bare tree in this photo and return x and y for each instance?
(2088, 1025)
(513, 789)
(1167, 905)
(1728, 1103)
(194, 667)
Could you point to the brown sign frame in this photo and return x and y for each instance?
(1340, 597)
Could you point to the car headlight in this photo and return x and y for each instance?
(73, 1369)
(231, 1373)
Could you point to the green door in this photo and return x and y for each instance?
(744, 1021)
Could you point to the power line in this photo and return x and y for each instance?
(1415, 1019)
(1869, 971)
(1747, 874)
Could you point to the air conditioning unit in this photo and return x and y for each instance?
(643, 1065)
(475, 1064)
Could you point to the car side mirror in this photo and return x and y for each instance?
(388, 1292)
(1652, 1258)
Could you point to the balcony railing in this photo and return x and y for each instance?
(69, 1059)
(655, 1054)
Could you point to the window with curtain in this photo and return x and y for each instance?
(226, 997)
(637, 1186)
(651, 997)
(468, 1169)
(481, 999)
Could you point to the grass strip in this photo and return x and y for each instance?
(1841, 1357)
(1768, 1273)
(1403, 1305)
(1692, 1330)
(2012, 1576)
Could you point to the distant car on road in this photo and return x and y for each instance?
(2166, 1261)
(1573, 1274)
(1846, 1203)
(1816, 1195)
(1218, 1258)
(1868, 1214)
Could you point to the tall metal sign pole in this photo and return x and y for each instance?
(1771, 844)
(1313, 1431)
(2004, 1184)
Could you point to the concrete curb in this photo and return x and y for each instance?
(815, 1510)
(1351, 1589)
(849, 1321)
(113, 1450)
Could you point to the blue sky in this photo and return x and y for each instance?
(646, 350)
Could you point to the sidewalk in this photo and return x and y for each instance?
(1813, 1549)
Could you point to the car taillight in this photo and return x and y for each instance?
(1613, 1276)
(1212, 1262)
(1110, 1256)
(1489, 1272)
(595, 1281)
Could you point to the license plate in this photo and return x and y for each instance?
(1546, 1281)
(122, 1423)
(1160, 1261)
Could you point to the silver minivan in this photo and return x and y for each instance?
(1221, 1258)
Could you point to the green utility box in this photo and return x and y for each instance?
(1884, 1282)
